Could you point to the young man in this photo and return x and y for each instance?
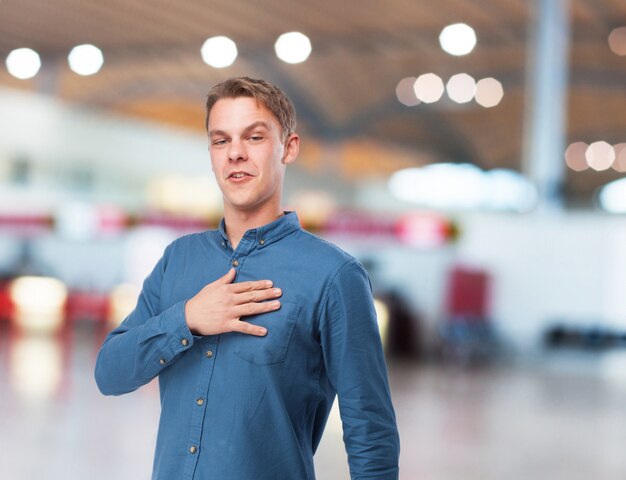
(254, 328)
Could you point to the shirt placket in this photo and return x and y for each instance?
(245, 246)
(210, 357)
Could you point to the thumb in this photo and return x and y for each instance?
(228, 278)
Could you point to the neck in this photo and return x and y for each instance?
(238, 222)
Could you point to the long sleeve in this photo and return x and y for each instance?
(355, 363)
(146, 342)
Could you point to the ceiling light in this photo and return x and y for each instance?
(85, 59)
(219, 52)
(428, 88)
(617, 41)
(575, 156)
(489, 92)
(463, 187)
(458, 39)
(23, 63)
(439, 185)
(461, 88)
(293, 47)
(612, 196)
(406, 93)
(600, 156)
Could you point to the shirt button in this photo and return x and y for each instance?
(209, 353)
(262, 242)
(235, 263)
(200, 402)
(223, 243)
(185, 342)
(193, 449)
(162, 361)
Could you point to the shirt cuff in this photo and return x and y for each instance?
(175, 324)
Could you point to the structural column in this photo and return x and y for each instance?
(546, 101)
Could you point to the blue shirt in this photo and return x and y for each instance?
(238, 407)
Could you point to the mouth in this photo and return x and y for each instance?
(238, 175)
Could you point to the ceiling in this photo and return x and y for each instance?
(345, 92)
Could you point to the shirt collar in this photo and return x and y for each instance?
(271, 232)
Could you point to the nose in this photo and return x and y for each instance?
(237, 151)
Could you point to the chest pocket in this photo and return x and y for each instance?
(272, 348)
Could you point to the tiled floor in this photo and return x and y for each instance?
(556, 418)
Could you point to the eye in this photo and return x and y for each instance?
(219, 142)
(256, 138)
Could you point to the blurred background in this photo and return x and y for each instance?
(469, 154)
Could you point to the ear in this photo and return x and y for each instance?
(292, 147)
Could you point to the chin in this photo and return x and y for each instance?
(243, 205)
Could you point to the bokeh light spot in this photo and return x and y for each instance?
(461, 88)
(85, 59)
(219, 52)
(617, 41)
(575, 156)
(23, 63)
(406, 93)
(600, 155)
(428, 88)
(293, 47)
(619, 164)
(489, 92)
(458, 39)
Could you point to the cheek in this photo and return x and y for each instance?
(216, 162)
(280, 152)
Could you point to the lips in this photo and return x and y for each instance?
(238, 176)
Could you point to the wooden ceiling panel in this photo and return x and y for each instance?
(346, 90)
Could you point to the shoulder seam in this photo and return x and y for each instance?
(328, 244)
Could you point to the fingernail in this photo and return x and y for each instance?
(269, 284)
(276, 303)
(263, 331)
(277, 291)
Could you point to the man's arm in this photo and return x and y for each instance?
(355, 363)
(149, 340)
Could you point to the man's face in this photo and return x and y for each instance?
(248, 154)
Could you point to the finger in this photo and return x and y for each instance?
(251, 286)
(255, 308)
(248, 328)
(257, 296)
(228, 278)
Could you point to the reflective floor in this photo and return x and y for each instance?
(557, 417)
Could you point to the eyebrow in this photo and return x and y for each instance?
(249, 128)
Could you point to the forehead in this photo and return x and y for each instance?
(239, 112)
